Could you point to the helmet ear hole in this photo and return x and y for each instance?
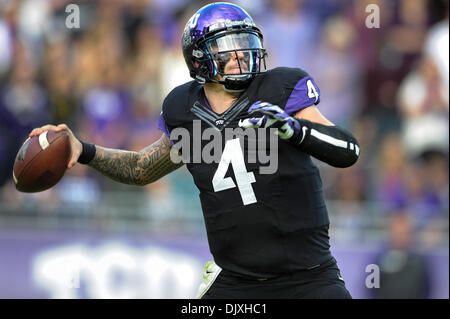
(205, 70)
(203, 67)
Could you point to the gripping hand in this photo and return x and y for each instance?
(266, 115)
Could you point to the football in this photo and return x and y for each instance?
(41, 161)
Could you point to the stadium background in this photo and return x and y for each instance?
(89, 237)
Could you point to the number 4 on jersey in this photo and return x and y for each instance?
(312, 92)
(232, 153)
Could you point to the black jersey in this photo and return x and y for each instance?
(260, 225)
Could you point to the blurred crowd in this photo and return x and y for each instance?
(107, 80)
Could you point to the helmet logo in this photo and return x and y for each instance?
(194, 21)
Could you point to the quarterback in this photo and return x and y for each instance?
(268, 233)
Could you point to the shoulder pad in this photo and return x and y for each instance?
(177, 104)
(276, 85)
(286, 77)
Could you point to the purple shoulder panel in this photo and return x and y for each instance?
(163, 126)
(305, 93)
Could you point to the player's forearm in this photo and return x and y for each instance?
(330, 144)
(135, 168)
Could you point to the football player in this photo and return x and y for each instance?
(268, 233)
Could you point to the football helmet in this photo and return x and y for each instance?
(222, 44)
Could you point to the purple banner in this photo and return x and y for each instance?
(92, 265)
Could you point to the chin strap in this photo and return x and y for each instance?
(233, 84)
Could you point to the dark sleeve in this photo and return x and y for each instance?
(333, 145)
(175, 108)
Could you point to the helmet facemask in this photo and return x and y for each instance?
(236, 58)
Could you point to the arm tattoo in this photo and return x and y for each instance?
(135, 168)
